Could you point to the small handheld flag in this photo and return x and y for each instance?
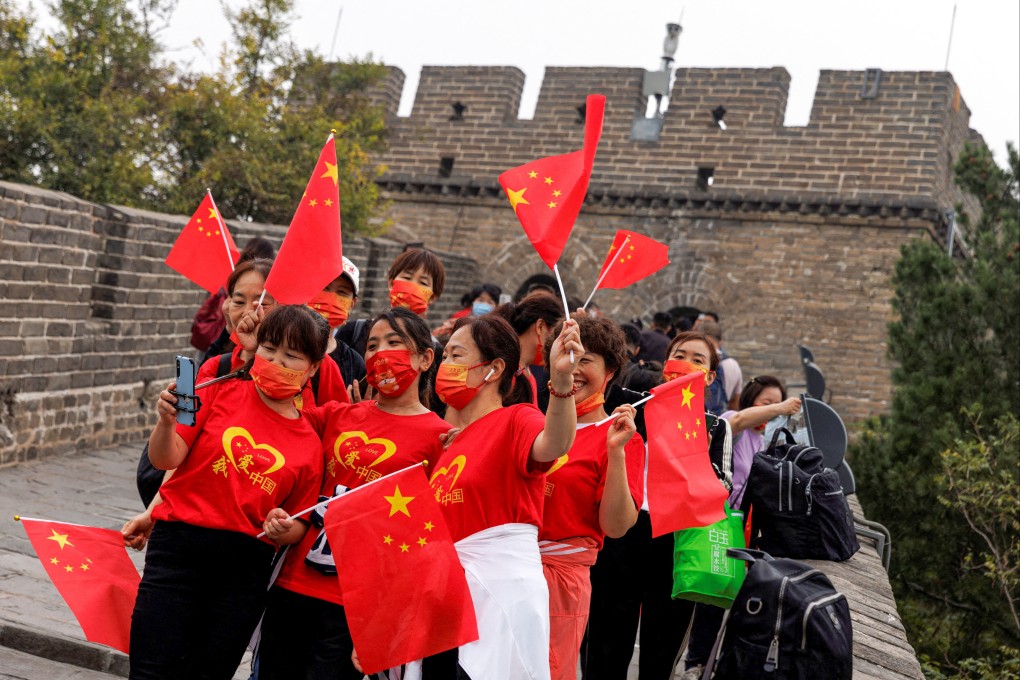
(310, 255)
(631, 258)
(683, 490)
(92, 571)
(547, 194)
(396, 525)
(205, 252)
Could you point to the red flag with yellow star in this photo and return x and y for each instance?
(405, 593)
(631, 258)
(683, 490)
(310, 255)
(547, 194)
(92, 571)
(205, 252)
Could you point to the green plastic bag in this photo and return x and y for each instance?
(701, 570)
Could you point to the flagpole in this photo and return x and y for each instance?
(566, 305)
(604, 274)
(223, 227)
(348, 492)
(635, 404)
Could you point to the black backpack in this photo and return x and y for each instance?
(786, 623)
(796, 505)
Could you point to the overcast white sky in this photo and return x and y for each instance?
(803, 36)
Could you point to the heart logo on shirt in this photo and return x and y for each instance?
(441, 476)
(238, 443)
(560, 462)
(354, 449)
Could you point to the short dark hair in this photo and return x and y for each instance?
(755, 386)
(257, 248)
(535, 282)
(598, 336)
(496, 339)
(416, 335)
(299, 326)
(259, 265)
(662, 319)
(521, 315)
(413, 259)
(632, 333)
(713, 356)
(491, 289)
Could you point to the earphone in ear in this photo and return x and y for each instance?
(489, 374)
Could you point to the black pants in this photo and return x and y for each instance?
(305, 638)
(707, 621)
(632, 580)
(201, 596)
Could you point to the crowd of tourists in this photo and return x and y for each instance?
(508, 391)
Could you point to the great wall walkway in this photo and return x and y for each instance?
(97, 488)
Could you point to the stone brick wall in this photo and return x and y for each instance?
(92, 317)
(794, 241)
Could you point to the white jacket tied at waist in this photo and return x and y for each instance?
(511, 599)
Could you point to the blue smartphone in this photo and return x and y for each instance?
(187, 404)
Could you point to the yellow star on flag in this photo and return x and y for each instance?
(422, 541)
(548, 180)
(60, 538)
(328, 202)
(84, 567)
(429, 526)
(532, 174)
(697, 421)
(313, 203)
(556, 193)
(387, 540)
(331, 172)
(687, 435)
(54, 560)
(552, 204)
(517, 197)
(404, 547)
(679, 426)
(69, 568)
(695, 435)
(688, 394)
(398, 502)
(212, 213)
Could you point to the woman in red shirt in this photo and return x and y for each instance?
(206, 573)
(304, 631)
(592, 492)
(490, 483)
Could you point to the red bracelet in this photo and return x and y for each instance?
(561, 395)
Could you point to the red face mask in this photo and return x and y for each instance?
(674, 368)
(275, 381)
(452, 387)
(390, 372)
(333, 306)
(411, 295)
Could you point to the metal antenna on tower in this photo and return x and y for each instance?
(952, 24)
(336, 32)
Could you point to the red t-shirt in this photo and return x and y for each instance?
(486, 477)
(244, 459)
(575, 482)
(360, 443)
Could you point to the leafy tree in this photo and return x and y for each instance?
(93, 109)
(957, 346)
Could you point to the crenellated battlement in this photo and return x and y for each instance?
(871, 135)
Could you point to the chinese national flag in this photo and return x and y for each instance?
(92, 571)
(310, 256)
(683, 490)
(204, 252)
(547, 194)
(405, 594)
(631, 258)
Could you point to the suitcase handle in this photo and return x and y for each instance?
(749, 555)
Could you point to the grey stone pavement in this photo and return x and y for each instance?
(39, 636)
